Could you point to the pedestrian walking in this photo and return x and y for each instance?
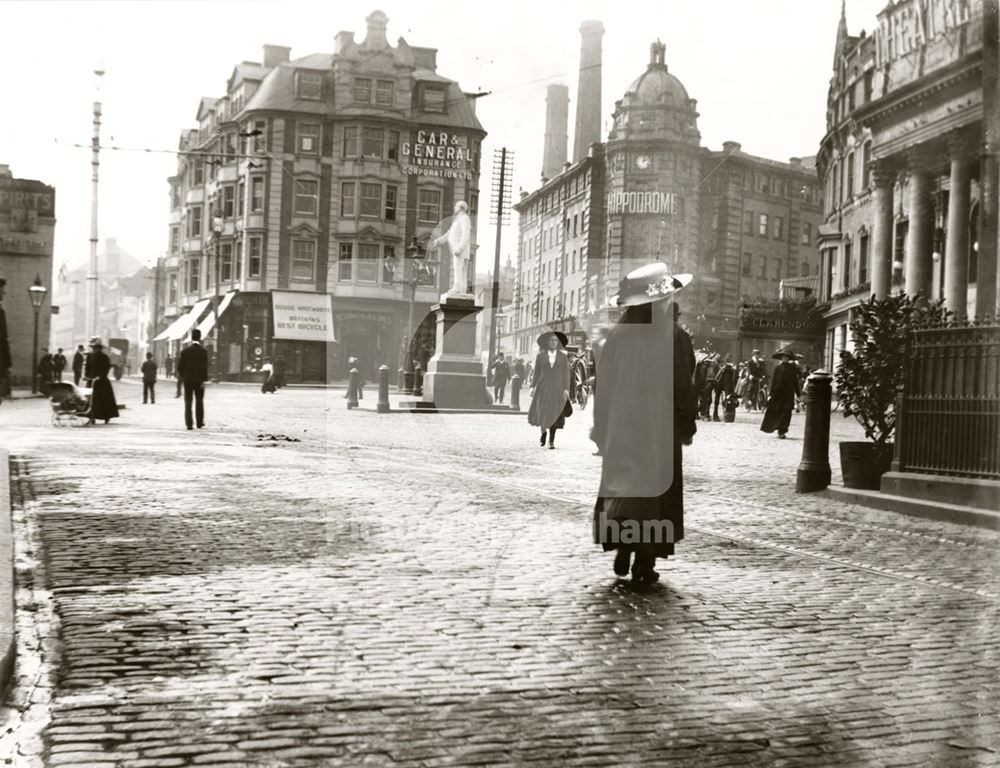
(43, 371)
(279, 372)
(785, 387)
(645, 414)
(192, 370)
(168, 366)
(58, 365)
(725, 384)
(5, 359)
(268, 383)
(501, 372)
(149, 379)
(550, 386)
(78, 359)
(102, 397)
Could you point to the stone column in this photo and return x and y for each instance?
(956, 252)
(881, 243)
(920, 237)
(987, 274)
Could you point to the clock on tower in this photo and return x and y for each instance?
(643, 162)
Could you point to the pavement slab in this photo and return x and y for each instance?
(422, 590)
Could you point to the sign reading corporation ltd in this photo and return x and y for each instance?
(437, 153)
(302, 316)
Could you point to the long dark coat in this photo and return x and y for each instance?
(550, 383)
(785, 385)
(644, 413)
(102, 397)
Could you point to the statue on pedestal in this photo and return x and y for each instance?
(459, 237)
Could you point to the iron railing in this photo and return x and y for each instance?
(948, 412)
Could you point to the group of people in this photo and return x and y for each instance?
(503, 371)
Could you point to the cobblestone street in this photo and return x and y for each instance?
(302, 585)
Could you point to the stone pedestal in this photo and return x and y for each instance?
(454, 377)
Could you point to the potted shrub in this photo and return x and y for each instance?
(869, 376)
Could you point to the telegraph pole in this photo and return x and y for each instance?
(503, 164)
(95, 162)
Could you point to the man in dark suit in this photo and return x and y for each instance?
(5, 361)
(501, 372)
(192, 369)
(78, 364)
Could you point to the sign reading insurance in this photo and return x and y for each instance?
(302, 316)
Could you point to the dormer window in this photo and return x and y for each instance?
(309, 85)
(383, 93)
(433, 98)
(362, 90)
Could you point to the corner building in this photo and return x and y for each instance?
(739, 223)
(314, 178)
(904, 161)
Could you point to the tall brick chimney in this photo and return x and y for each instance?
(556, 127)
(588, 95)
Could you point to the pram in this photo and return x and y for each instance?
(70, 403)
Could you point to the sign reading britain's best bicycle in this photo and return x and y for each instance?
(437, 153)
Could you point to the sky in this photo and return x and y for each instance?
(759, 70)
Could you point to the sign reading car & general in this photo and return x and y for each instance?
(437, 153)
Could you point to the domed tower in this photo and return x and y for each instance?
(653, 170)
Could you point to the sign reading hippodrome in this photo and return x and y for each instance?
(437, 153)
(642, 202)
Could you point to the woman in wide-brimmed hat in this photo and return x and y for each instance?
(643, 415)
(785, 387)
(102, 396)
(549, 386)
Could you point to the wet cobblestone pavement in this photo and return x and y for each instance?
(417, 590)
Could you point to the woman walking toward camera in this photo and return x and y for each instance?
(549, 386)
(645, 413)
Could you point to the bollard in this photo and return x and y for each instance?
(352, 388)
(814, 469)
(418, 381)
(515, 392)
(383, 389)
(399, 380)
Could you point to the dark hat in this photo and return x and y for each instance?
(784, 352)
(95, 341)
(543, 339)
(649, 283)
(195, 335)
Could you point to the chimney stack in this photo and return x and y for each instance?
(588, 95)
(376, 39)
(556, 127)
(275, 55)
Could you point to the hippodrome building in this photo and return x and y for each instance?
(297, 197)
(741, 224)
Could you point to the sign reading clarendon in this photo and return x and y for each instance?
(437, 153)
(642, 202)
(302, 316)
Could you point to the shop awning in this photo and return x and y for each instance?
(179, 328)
(209, 322)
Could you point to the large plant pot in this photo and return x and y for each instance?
(863, 464)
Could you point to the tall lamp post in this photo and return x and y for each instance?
(36, 293)
(216, 252)
(417, 270)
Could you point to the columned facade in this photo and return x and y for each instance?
(881, 259)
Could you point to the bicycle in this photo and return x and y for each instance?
(762, 395)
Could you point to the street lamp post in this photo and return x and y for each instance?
(36, 293)
(217, 252)
(415, 267)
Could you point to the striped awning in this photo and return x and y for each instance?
(180, 327)
(209, 322)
